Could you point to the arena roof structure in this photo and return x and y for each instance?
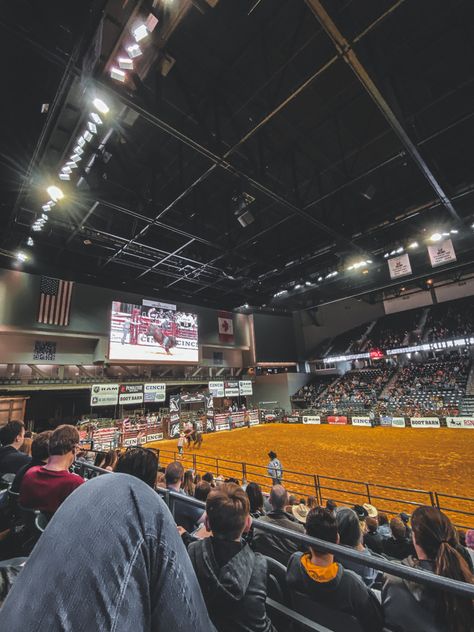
(264, 152)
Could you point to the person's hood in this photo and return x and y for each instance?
(232, 580)
(419, 592)
(306, 577)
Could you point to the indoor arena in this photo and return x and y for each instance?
(237, 316)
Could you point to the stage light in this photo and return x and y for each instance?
(414, 244)
(386, 255)
(66, 169)
(436, 237)
(139, 32)
(78, 150)
(64, 176)
(99, 105)
(30, 242)
(298, 286)
(88, 136)
(400, 250)
(454, 231)
(308, 283)
(21, 256)
(125, 63)
(246, 305)
(44, 216)
(96, 118)
(37, 227)
(46, 207)
(81, 141)
(55, 193)
(71, 164)
(320, 278)
(445, 234)
(75, 158)
(393, 252)
(134, 50)
(92, 127)
(118, 74)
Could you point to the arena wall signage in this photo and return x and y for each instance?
(386, 420)
(157, 436)
(311, 419)
(293, 420)
(336, 420)
(221, 422)
(245, 387)
(216, 389)
(398, 422)
(231, 389)
(361, 421)
(104, 394)
(158, 305)
(344, 358)
(253, 418)
(154, 393)
(136, 440)
(130, 394)
(460, 422)
(425, 422)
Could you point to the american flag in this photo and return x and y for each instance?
(55, 301)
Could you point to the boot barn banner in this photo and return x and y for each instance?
(425, 422)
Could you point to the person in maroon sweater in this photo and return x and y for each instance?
(46, 487)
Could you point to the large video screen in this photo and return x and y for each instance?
(152, 334)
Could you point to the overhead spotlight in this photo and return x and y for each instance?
(44, 216)
(308, 283)
(118, 74)
(414, 244)
(55, 193)
(81, 141)
(280, 293)
(436, 237)
(99, 105)
(445, 234)
(37, 227)
(92, 127)
(246, 305)
(125, 63)
(21, 256)
(298, 286)
(71, 164)
(88, 136)
(139, 32)
(78, 150)
(393, 252)
(76, 158)
(66, 169)
(46, 207)
(30, 242)
(454, 231)
(369, 261)
(96, 118)
(134, 50)
(399, 250)
(64, 176)
(386, 255)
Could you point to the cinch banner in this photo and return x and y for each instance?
(155, 392)
(311, 419)
(216, 389)
(460, 422)
(361, 421)
(332, 419)
(104, 394)
(157, 436)
(398, 422)
(425, 422)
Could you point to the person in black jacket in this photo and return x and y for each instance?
(39, 456)
(12, 436)
(372, 539)
(232, 577)
(398, 546)
(317, 575)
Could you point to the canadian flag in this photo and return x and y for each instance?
(226, 326)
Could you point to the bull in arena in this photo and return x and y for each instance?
(157, 332)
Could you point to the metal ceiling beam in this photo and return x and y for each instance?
(346, 51)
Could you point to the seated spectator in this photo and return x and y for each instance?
(312, 502)
(470, 543)
(12, 435)
(141, 463)
(254, 493)
(398, 546)
(46, 487)
(39, 456)
(371, 537)
(350, 535)
(209, 478)
(202, 491)
(277, 546)
(130, 567)
(232, 577)
(405, 518)
(160, 480)
(25, 447)
(384, 527)
(300, 512)
(188, 483)
(331, 505)
(409, 606)
(109, 460)
(317, 575)
(186, 515)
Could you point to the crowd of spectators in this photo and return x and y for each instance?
(112, 543)
(395, 330)
(309, 393)
(450, 320)
(355, 390)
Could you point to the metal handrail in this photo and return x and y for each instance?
(341, 552)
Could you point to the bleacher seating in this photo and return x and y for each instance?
(355, 390)
(347, 341)
(451, 320)
(308, 394)
(395, 330)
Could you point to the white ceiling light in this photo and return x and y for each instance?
(101, 106)
(21, 256)
(118, 74)
(36, 228)
(96, 118)
(71, 164)
(78, 150)
(75, 158)
(66, 169)
(436, 237)
(399, 250)
(64, 176)
(55, 193)
(298, 286)
(320, 278)
(88, 136)
(92, 127)
(454, 231)
(81, 141)
(308, 283)
(414, 244)
(139, 32)
(134, 50)
(445, 234)
(386, 255)
(44, 216)
(46, 207)
(125, 63)
(30, 242)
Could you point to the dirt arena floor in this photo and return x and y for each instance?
(440, 460)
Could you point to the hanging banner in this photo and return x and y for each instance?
(130, 394)
(361, 421)
(225, 323)
(231, 389)
(460, 422)
(104, 394)
(442, 253)
(245, 387)
(216, 389)
(155, 393)
(425, 422)
(399, 266)
(311, 419)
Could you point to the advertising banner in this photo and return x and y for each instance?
(104, 394)
(361, 421)
(238, 420)
(333, 420)
(134, 440)
(245, 387)
(293, 420)
(253, 417)
(398, 422)
(311, 419)
(442, 253)
(155, 393)
(216, 389)
(399, 266)
(156, 436)
(221, 422)
(130, 394)
(231, 389)
(425, 422)
(460, 422)
(385, 420)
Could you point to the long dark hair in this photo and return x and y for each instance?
(255, 495)
(435, 534)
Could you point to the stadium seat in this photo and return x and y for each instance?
(277, 590)
(332, 619)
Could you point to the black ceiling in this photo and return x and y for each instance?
(351, 123)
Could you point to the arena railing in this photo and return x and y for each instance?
(387, 498)
(341, 552)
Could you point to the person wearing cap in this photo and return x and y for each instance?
(405, 518)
